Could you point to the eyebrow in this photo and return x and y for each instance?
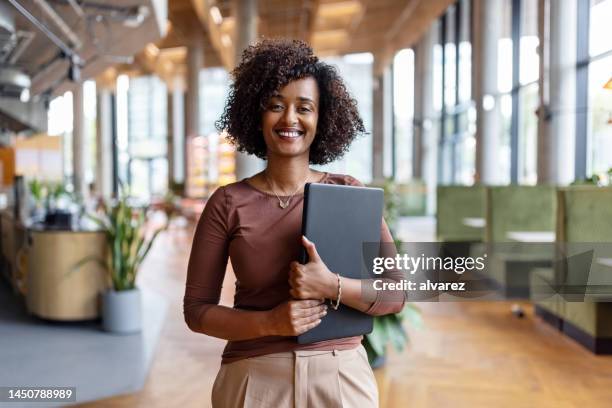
(300, 98)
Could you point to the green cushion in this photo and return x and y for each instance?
(519, 208)
(587, 214)
(454, 203)
(584, 217)
(540, 280)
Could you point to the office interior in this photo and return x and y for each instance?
(488, 121)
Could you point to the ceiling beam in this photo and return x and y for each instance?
(411, 23)
(226, 53)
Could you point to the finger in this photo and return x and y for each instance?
(310, 326)
(311, 249)
(320, 310)
(296, 271)
(296, 294)
(303, 321)
(305, 304)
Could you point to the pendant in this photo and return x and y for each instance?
(283, 205)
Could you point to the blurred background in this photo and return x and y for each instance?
(488, 121)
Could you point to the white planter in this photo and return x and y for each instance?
(121, 311)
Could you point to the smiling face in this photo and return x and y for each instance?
(289, 121)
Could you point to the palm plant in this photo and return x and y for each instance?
(389, 329)
(128, 241)
(37, 190)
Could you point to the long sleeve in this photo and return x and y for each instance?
(385, 301)
(388, 301)
(207, 261)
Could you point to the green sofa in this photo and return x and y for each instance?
(517, 208)
(454, 204)
(584, 221)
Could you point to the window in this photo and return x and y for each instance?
(403, 112)
(528, 100)
(356, 71)
(452, 62)
(599, 118)
(147, 130)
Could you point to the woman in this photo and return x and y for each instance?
(287, 107)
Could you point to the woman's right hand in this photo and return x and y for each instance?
(295, 317)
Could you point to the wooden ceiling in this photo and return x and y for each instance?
(333, 27)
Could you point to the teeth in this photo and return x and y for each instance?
(288, 134)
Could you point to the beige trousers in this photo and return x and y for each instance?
(298, 379)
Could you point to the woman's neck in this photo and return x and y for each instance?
(288, 173)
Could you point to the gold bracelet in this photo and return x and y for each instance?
(331, 303)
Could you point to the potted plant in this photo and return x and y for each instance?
(129, 242)
(38, 192)
(389, 329)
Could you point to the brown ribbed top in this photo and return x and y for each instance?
(261, 239)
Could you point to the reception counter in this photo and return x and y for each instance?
(58, 271)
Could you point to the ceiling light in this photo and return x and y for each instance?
(488, 102)
(216, 15)
(226, 40)
(24, 96)
(152, 50)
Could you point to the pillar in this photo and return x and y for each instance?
(556, 136)
(382, 122)
(246, 33)
(104, 141)
(78, 143)
(425, 147)
(487, 32)
(176, 131)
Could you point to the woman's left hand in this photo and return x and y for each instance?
(312, 280)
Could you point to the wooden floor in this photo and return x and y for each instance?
(467, 355)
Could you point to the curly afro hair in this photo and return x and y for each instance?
(268, 66)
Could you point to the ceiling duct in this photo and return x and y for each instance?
(8, 39)
(14, 84)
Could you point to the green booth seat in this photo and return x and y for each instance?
(511, 209)
(583, 222)
(518, 208)
(455, 204)
(412, 198)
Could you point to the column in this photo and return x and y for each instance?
(377, 128)
(487, 31)
(425, 147)
(78, 143)
(176, 131)
(556, 143)
(104, 141)
(246, 33)
(195, 62)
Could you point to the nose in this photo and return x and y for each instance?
(290, 117)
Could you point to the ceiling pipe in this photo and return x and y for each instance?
(54, 38)
(25, 38)
(59, 22)
(77, 9)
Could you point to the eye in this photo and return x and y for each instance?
(275, 107)
(304, 109)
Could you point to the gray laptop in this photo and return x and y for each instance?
(339, 220)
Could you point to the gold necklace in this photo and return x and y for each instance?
(284, 204)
